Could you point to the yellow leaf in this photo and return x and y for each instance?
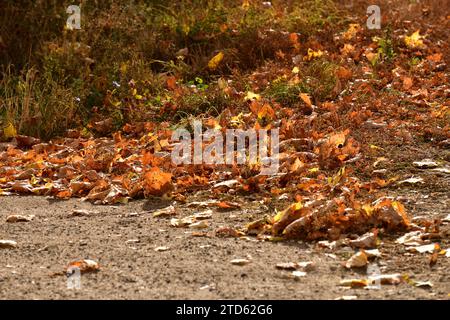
(295, 70)
(214, 62)
(414, 40)
(245, 4)
(123, 68)
(312, 54)
(306, 99)
(10, 131)
(251, 96)
(353, 29)
(292, 208)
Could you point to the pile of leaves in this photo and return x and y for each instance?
(339, 107)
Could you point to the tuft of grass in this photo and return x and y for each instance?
(318, 79)
(36, 107)
(70, 76)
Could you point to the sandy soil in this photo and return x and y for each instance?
(193, 267)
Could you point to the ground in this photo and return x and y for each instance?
(193, 267)
(363, 114)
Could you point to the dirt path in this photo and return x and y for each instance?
(193, 267)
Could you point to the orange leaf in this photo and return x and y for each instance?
(157, 182)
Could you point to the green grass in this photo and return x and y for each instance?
(54, 79)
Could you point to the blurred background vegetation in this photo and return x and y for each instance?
(118, 64)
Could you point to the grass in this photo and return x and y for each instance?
(317, 79)
(118, 64)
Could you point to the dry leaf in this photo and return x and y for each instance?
(240, 262)
(358, 260)
(160, 249)
(165, 212)
(215, 61)
(7, 244)
(19, 218)
(85, 266)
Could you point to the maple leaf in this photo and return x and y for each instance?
(414, 40)
(157, 182)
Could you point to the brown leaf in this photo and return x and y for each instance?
(157, 182)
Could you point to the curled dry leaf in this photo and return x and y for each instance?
(425, 164)
(85, 266)
(168, 211)
(392, 279)
(227, 205)
(358, 260)
(198, 225)
(304, 266)
(203, 215)
(423, 284)
(183, 222)
(162, 248)
(427, 248)
(413, 238)
(354, 283)
(228, 232)
(287, 266)
(228, 184)
(347, 298)
(80, 213)
(373, 253)
(367, 240)
(7, 244)
(240, 262)
(19, 218)
(298, 274)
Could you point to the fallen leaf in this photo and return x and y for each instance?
(414, 40)
(298, 274)
(19, 218)
(228, 232)
(425, 164)
(80, 213)
(287, 266)
(358, 260)
(9, 131)
(215, 61)
(427, 248)
(240, 262)
(228, 184)
(183, 222)
(412, 180)
(367, 240)
(413, 238)
(312, 54)
(7, 244)
(407, 83)
(423, 284)
(165, 212)
(203, 215)
(374, 253)
(157, 182)
(251, 96)
(347, 298)
(160, 249)
(306, 99)
(227, 205)
(85, 266)
(198, 225)
(387, 278)
(354, 283)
